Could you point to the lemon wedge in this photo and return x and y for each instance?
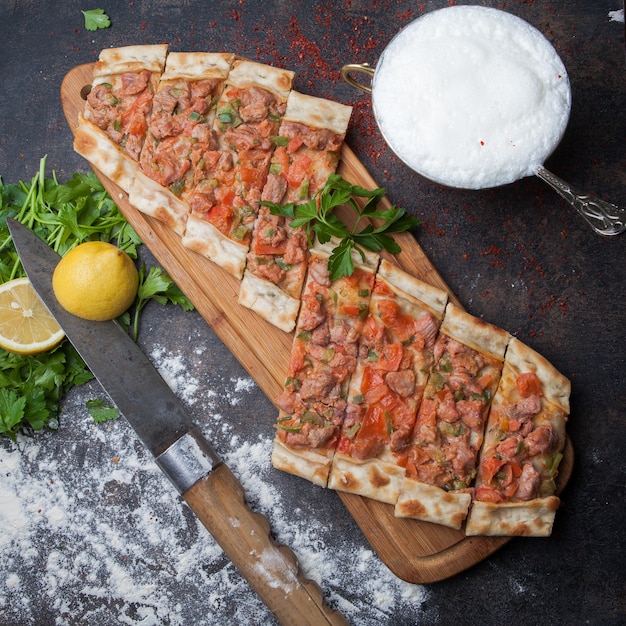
(26, 326)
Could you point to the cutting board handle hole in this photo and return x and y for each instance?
(85, 91)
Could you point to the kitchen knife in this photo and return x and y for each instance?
(189, 461)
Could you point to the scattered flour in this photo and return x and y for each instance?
(73, 551)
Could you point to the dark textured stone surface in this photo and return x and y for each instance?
(517, 256)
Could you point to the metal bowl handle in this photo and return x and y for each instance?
(363, 68)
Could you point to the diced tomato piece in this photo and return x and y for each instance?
(391, 358)
(508, 472)
(294, 144)
(224, 195)
(490, 466)
(281, 157)
(376, 394)
(298, 353)
(221, 217)
(370, 379)
(351, 309)
(268, 249)
(528, 384)
(488, 494)
(136, 107)
(388, 311)
(344, 445)
(382, 288)
(137, 125)
(253, 176)
(374, 425)
(298, 170)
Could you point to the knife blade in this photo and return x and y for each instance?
(190, 462)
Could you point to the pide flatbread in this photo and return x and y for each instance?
(179, 134)
(307, 152)
(119, 102)
(395, 355)
(323, 358)
(247, 119)
(449, 429)
(525, 437)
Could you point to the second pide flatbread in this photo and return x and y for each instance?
(179, 135)
(323, 357)
(449, 429)
(515, 487)
(395, 356)
(112, 128)
(225, 203)
(307, 152)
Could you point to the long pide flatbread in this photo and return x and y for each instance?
(112, 128)
(323, 358)
(179, 134)
(395, 355)
(308, 146)
(225, 205)
(449, 429)
(515, 489)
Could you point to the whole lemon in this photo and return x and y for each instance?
(96, 280)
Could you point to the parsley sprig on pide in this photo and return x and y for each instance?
(372, 227)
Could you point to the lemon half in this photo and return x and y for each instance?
(96, 280)
(26, 326)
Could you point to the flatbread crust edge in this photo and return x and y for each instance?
(93, 144)
(269, 301)
(474, 332)
(404, 284)
(317, 112)
(150, 198)
(556, 387)
(114, 61)
(432, 504)
(250, 73)
(202, 237)
(197, 65)
(313, 465)
(373, 478)
(521, 519)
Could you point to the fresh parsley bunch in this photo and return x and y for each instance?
(64, 215)
(372, 227)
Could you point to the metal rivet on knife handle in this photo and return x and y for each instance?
(271, 570)
(187, 460)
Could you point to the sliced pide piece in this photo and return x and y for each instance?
(179, 135)
(112, 128)
(449, 428)
(395, 356)
(307, 152)
(225, 200)
(323, 358)
(515, 486)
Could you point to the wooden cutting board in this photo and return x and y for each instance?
(417, 552)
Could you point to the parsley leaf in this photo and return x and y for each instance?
(95, 19)
(156, 285)
(318, 219)
(102, 412)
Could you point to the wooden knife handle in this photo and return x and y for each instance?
(271, 570)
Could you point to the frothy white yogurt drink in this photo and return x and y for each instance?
(471, 97)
